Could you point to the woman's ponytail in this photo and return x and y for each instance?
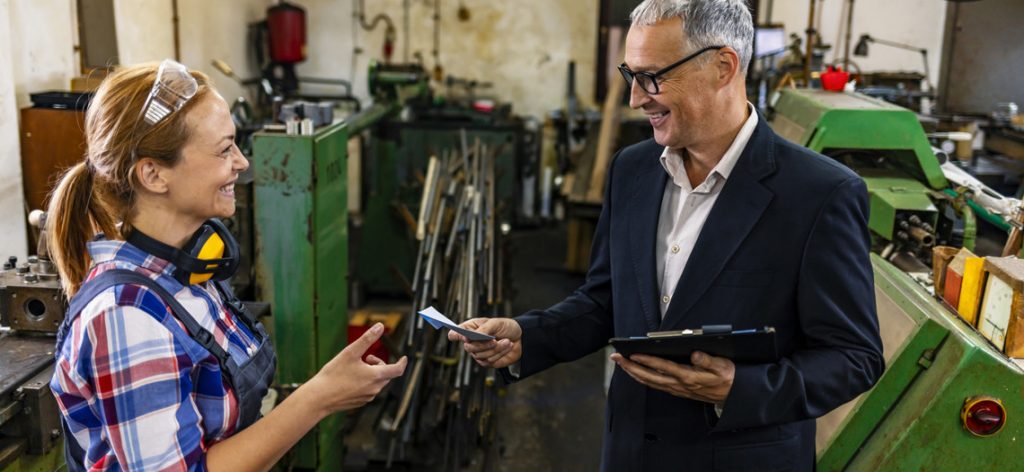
(75, 214)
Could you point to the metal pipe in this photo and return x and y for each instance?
(978, 210)
(405, 33)
(970, 227)
(923, 237)
(372, 25)
(810, 45)
(849, 32)
(916, 221)
(889, 248)
(177, 33)
(438, 70)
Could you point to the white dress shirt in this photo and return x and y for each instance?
(684, 209)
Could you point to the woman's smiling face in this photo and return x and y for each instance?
(202, 184)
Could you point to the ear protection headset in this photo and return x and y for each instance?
(211, 253)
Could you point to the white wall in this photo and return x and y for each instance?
(523, 47)
(207, 30)
(217, 30)
(41, 46)
(35, 55)
(12, 236)
(145, 32)
(918, 23)
(527, 69)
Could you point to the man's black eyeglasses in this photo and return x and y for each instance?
(649, 80)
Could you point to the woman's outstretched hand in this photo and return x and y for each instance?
(347, 382)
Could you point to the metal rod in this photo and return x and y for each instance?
(849, 32)
(810, 45)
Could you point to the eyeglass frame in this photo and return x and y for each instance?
(158, 93)
(157, 97)
(630, 75)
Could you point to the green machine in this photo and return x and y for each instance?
(302, 264)
(394, 155)
(301, 195)
(937, 369)
(941, 374)
(384, 263)
(886, 145)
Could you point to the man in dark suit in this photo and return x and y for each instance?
(717, 220)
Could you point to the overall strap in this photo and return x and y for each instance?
(235, 304)
(113, 277)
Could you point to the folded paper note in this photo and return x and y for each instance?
(438, 320)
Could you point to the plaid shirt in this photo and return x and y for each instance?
(139, 393)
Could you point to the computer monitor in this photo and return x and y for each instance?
(770, 39)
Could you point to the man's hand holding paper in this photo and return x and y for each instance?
(503, 351)
(438, 321)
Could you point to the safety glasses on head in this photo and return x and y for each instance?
(173, 88)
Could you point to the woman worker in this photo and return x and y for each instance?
(166, 371)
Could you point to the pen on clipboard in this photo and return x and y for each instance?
(706, 329)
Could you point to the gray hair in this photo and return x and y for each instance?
(705, 23)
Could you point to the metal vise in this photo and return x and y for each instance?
(31, 298)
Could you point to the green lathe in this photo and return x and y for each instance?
(941, 374)
(886, 145)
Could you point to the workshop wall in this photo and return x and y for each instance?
(916, 23)
(207, 30)
(12, 238)
(522, 47)
(36, 55)
(144, 30)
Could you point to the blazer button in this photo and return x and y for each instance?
(650, 438)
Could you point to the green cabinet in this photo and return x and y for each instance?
(302, 264)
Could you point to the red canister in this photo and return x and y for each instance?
(286, 31)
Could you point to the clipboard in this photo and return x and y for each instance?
(752, 346)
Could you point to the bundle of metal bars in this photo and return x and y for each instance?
(459, 271)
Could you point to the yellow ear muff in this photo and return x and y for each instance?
(212, 248)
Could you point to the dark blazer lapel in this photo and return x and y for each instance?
(644, 208)
(737, 210)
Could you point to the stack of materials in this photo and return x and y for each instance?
(459, 270)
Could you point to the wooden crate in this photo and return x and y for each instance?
(941, 257)
(1002, 310)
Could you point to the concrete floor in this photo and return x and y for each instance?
(553, 420)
